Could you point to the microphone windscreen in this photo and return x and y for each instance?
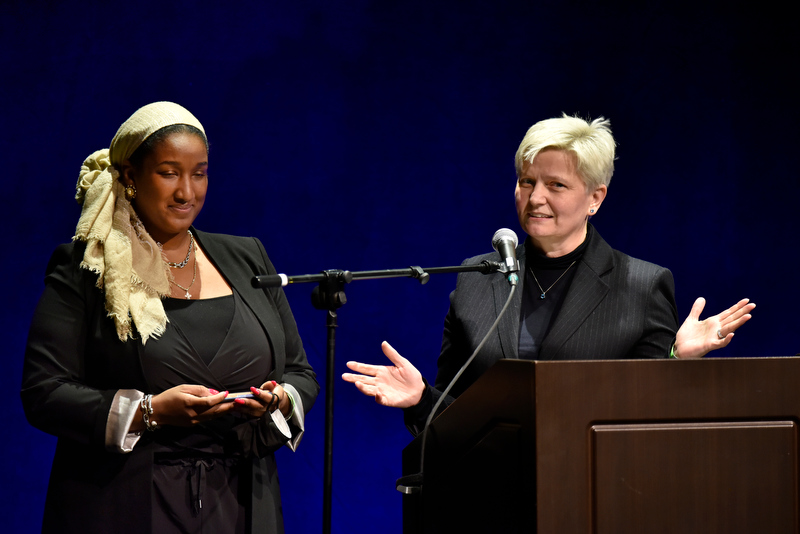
(503, 234)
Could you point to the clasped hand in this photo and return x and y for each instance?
(188, 404)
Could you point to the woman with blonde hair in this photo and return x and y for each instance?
(577, 299)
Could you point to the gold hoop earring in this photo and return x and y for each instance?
(130, 192)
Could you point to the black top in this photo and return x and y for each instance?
(545, 286)
(192, 317)
(224, 338)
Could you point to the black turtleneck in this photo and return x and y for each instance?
(551, 276)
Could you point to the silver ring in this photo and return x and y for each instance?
(719, 334)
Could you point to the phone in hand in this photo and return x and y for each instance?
(242, 395)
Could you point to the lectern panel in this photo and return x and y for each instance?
(627, 446)
(694, 477)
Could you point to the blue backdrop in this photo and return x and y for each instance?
(380, 134)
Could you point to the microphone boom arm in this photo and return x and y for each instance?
(279, 280)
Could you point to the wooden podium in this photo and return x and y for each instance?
(615, 447)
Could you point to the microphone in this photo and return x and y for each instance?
(505, 242)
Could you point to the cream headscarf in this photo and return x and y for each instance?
(129, 263)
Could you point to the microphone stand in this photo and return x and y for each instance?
(329, 295)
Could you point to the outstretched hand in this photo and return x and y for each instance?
(696, 338)
(399, 385)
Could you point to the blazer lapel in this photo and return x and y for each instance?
(587, 291)
(239, 275)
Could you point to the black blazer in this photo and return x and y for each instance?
(617, 307)
(75, 363)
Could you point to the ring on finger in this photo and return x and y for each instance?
(719, 334)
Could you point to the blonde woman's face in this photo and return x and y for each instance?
(171, 185)
(554, 203)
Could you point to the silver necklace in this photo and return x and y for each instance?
(544, 291)
(194, 276)
(182, 264)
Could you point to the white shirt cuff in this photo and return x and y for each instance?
(297, 419)
(124, 408)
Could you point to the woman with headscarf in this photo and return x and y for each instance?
(577, 299)
(146, 328)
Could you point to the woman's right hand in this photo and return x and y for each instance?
(399, 385)
(188, 405)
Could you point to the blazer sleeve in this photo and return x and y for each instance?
(56, 394)
(659, 319)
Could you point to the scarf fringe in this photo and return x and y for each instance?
(129, 265)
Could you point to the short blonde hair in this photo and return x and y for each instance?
(592, 144)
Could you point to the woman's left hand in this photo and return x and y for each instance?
(267, 398)
(697, 338)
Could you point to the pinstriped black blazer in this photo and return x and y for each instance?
(617, 307)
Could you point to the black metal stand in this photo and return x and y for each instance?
(330, 296)
(327, 491)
